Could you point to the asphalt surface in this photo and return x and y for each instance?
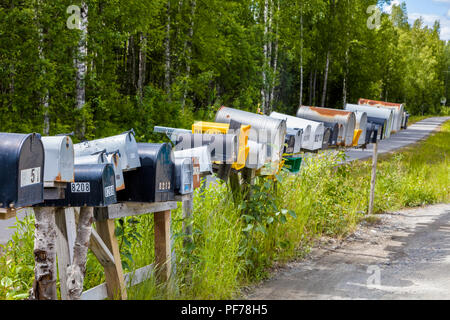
(404, 256)
(414, 133)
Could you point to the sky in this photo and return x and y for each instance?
(430, 11)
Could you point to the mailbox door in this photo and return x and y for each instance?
(184, 176)
(115, 159)
(59, 159)
(196, 172)
(21, 170)
(154, 181)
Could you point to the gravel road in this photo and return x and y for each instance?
(406, 255)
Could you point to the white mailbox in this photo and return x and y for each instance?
(184, 174)
(125, 143)
(202, 153)
(59, 159)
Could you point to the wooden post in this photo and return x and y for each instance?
(6, 214)
(162, 245)
(113, 273)
(44, 286)
(65, 241)
(188, 208)
(374, 176)
(248, 177)
(235, 186)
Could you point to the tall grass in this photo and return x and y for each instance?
(236, 244)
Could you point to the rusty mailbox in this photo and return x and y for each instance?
(154, 181)
(59, 159)
(22, 159)
(94, 186)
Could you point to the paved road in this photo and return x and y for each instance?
(405, 256)
(404, 138)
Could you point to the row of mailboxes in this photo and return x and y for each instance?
(94, 186)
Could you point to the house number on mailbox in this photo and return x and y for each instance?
(29, 177)
(164, 185)
(80, 187)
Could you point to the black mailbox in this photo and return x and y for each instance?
(21, 170)
(334, 127)
(154, 181)
(94, 186)
(380, 122)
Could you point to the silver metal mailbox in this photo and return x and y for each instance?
(298, 137)
(184, 176)
(257, 155)
(59, 159)
(171, 133)
(223, 147)
(125, 143)
(264, 129)
(202, 153)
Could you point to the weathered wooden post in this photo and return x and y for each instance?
(374, 176)
(163, 250)
(188, 209)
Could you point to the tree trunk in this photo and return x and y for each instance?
(275, 62)
(77, 271)
(142, 63)
(344, 90)
(301, 55)
(80, 64)
(314, 87)
(188, 49)
(325, 80)
(44, 286)
(167, 83)
(310, 87)
(265, 63)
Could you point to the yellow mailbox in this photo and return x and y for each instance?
(223, 128)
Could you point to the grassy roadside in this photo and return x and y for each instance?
(236, 246)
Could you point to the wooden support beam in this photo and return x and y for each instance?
(6, 214)
(163, 262)
(374, 177)
(128, 209)
(113, 273)
(188, 209)
(100, 250)
(65, 241)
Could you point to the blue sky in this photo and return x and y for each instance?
(430, 11)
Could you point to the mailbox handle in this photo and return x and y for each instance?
(129, 132)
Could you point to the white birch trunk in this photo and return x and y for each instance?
(275, 62)
(265, 63)
(44, 286)
(77, 271)
(344, 93)
(80, 61)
